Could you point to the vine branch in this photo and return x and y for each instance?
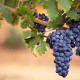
(78, 5)
(11, 9)
(45, 23)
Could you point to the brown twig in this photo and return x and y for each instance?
(31, 4)
(45, 23)
(78, 5)
(18, 3)
(11, 9)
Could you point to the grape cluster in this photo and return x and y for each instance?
(75, 27)
(78, 12)
(39, 27)
(60, 41)
(78, 51)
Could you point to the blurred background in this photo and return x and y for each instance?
(18, 63)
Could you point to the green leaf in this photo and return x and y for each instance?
(33, 50)
(27, 34)
(14, 19)
(30, 13)
(57, 22)
(6, 13)
(11, 3)
(51, 7)
(28, 40)
(28, 3)
(35, 2)
(42, 47)
(34, 41)
(41, 1)
(27, 22)
(66, 4)
(73, 14)
(21, 10)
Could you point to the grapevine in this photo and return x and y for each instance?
(62, 41)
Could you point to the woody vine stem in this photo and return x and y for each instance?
(45, 23)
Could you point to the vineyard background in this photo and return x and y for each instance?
(20, 64)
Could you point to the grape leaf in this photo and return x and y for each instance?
(14, 19)
(28, 3)
(27, 34)
(41, 1)
(35, 2)
(57, 22)
(42, 47)
(33, 42)
(21, 10)
(27, 22)
(51, 7)
(66, 4)
(30, 13)
(73, 14)
(6, 13)
(11, 3)
(28, 40)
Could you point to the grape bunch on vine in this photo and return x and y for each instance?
(62, 41)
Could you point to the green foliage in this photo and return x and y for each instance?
(57, 22)
(27, 22)
(26, 10)
(66, 4)
(15, 19)
(27, 34)
(42, 47)
(6, 13)
(51, 7)
(30, 13)
(11, 3)
(73, 14)
(30, 3)
(32, 38)
(28, 19)
(41, 1)
(34, 41)
(21, 10)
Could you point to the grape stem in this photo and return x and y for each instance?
(31, 4)
(45, 23)
(11, 9)
(78, 5)
(18, 3)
